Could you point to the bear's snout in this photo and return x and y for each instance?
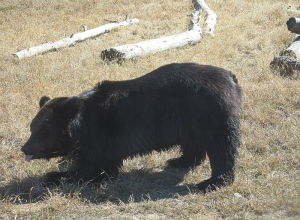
(28, 154)
(25, 150)
(29, 147)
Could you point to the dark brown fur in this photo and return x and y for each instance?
(191, 105)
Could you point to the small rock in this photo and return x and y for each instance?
(237, 195)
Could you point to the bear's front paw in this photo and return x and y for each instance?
(53, 178)
(214, 183)
(206, 186)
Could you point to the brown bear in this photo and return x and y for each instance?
(191, 105)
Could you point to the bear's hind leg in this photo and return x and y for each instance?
(222, 153)
(193, 154)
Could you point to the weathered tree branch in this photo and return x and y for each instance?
(72, 40)
(192, 36)
(211, 17)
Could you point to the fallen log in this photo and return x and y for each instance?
(288, 61)
(192, 36)
(155, 45)
(151, 46)
(72, 40)
(293, 25)
(293, 49)
(285, 65)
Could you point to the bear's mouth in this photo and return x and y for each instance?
(28, 158)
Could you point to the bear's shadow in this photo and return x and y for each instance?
(132, 186)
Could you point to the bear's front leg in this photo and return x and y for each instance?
(74, 176)
(55, 178)
(85, 172)
(95, 173)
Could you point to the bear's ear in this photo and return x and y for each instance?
(43, 100)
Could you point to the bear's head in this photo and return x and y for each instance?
(52, 127)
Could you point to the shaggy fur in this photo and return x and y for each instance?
(191, 105)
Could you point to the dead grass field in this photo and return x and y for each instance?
(248, 35)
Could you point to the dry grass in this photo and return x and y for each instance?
(248, 35)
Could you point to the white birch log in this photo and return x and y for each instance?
(192, 36)
(293, 25)
(72, 40)
(151, 46)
